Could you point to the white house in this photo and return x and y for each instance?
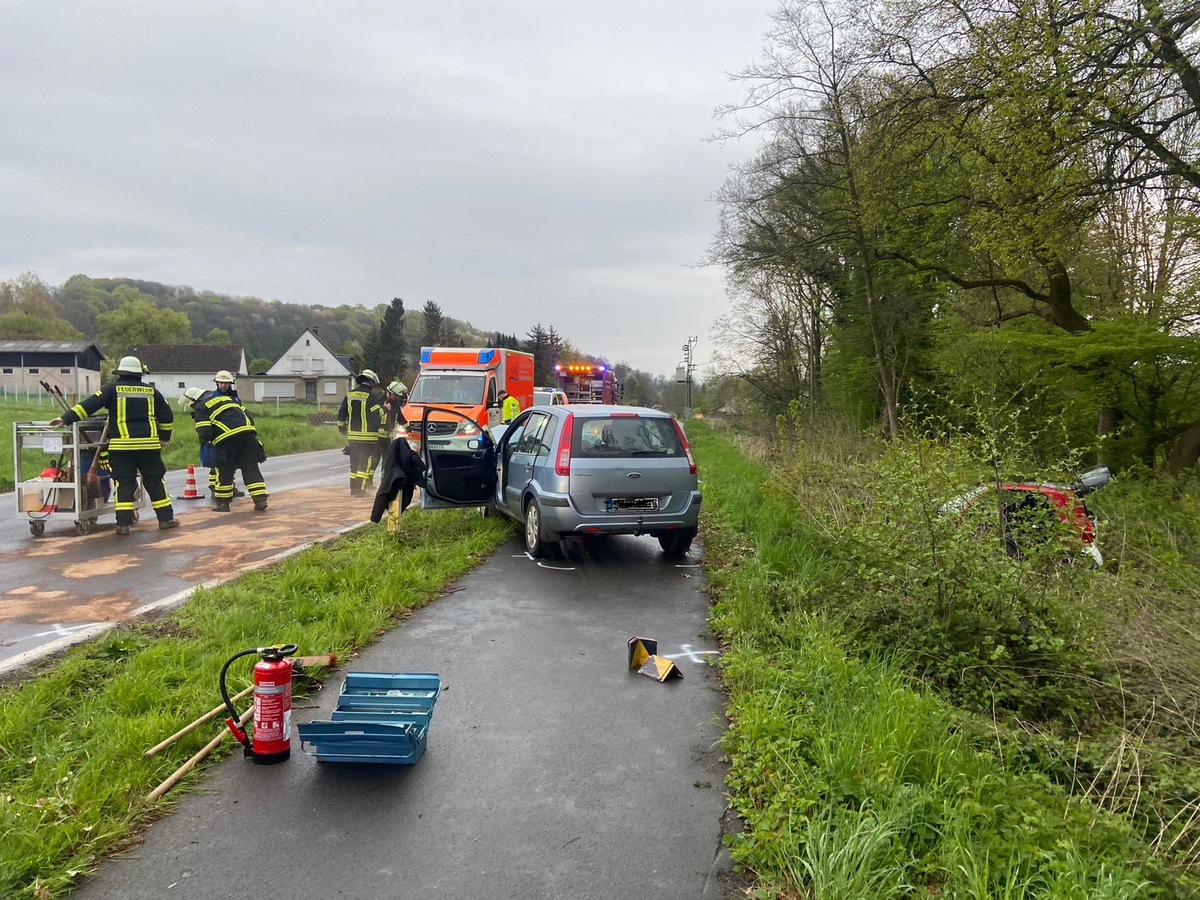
(309, 372)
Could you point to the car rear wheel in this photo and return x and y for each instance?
(676, 542)
(535, 543)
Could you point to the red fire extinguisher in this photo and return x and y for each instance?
(271, 736)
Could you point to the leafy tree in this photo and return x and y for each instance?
(18, 325)
(260, 364)
(218, 337)
(138, 321)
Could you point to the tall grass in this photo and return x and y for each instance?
(851, 777)
(72, 735)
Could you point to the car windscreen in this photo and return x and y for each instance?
(624, 436)
(433, 388)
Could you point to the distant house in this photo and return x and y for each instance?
(71, 366)
(308, 371)
(176, 367)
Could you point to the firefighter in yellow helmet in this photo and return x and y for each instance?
(361, 420)
(139, 426)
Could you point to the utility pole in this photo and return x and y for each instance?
(689, 366)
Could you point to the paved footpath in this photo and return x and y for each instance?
(552, 770)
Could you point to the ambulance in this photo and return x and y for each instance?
(467, 382)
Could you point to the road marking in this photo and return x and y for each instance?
(696, 656)
(59, 630)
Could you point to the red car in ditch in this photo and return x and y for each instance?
(1026, 512)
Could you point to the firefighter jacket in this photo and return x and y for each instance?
(361, 415)
(139, 417)
(219, 417)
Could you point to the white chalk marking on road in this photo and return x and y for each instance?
(696, 656)
(58, 629)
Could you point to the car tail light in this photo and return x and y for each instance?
(686, 447)
(562, 456)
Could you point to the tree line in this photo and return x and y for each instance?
(117, 313)
(958, 207)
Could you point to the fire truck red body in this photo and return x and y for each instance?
(588, 382)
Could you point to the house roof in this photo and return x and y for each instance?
(48, 347)
(162, 358)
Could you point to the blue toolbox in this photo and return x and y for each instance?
(381, 717)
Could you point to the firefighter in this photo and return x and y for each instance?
(509, 406)
(360, 419)
(221, 421)
(226, 385)
(139, 426)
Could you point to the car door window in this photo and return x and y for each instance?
(531, 440)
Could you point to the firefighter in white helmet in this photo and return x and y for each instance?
(226, 385)
(139, 426)
(360, 419)
(224, 423)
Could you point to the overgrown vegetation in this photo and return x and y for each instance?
(73, 734)
(914, 712)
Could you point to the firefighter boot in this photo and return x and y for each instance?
(220, 506)
(122, 529)
(260, 504)
(164, 524)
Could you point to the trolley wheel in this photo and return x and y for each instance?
(84, 526)
(37, 528)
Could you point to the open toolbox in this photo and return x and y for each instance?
(380, 717)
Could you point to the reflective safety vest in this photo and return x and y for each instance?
(139, 417)
(510, 409)
(219, 416)
(361, 415)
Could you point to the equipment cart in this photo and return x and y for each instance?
(50, 468)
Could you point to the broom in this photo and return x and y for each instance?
(92, 480)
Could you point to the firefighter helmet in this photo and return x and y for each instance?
(191, 395)
(129, 365)
(224, 375)
(368, 375)
(397, 387)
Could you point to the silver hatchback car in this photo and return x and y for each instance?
(576, 470)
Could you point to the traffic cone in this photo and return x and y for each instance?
(189, 486)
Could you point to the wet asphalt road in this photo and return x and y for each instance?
(64, 587)
(553, 771)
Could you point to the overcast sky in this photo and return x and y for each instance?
(542, 161)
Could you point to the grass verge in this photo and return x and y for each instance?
(852, 778)
(72, 734)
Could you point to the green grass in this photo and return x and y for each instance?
(72, 735)
(852, 778)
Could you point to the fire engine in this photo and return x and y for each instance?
(588, 383)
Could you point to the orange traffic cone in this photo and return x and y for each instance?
(189, 486)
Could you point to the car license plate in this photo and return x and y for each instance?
(625, 503)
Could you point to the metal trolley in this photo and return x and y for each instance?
(61, 457)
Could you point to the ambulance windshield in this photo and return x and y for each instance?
(466, 390)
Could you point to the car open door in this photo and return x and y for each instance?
(460, 472)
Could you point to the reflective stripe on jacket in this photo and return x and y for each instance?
(139, 417)
(219, 417)
(361, 416)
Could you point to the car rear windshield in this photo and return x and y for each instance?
(617, 436)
